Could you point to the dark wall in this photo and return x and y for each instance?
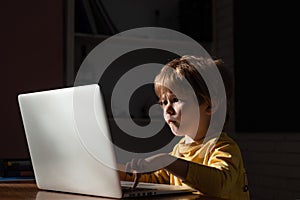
(266, 66)
(31, 56)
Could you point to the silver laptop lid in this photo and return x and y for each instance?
(65, 154)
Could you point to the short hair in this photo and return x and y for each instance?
(187, 68)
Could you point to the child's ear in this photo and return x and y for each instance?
(208, 109)
(211, 107)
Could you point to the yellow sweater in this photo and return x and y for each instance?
(216, 168)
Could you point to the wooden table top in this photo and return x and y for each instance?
(27, 190)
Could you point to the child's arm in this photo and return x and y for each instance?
(149, 176)
(174, 165)
(215, 178)
(223, 173)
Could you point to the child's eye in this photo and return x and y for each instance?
(175, 100)
(163, 102)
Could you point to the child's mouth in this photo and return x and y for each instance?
(170, 122)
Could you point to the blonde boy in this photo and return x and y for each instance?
(215, 166)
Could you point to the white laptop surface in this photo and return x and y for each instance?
(68, 154)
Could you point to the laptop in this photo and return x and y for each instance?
(70, 146)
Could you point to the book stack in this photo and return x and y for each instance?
(16, 168)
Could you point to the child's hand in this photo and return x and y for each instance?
(150, 164)
(147, 165)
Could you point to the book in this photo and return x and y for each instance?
(16, 168)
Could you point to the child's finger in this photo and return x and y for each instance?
(136, 180)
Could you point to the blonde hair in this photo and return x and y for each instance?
(186, 68)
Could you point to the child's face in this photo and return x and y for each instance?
(181, 113)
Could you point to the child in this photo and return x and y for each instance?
(215, 166)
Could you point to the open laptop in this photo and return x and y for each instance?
(69, 142)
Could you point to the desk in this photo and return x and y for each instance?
(28, 191)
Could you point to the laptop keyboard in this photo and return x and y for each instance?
(138, 192)
(130, 189)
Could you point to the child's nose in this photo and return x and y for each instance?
(169, 109)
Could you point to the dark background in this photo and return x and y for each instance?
(31, 54)
(265, 40)
(266, 66)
